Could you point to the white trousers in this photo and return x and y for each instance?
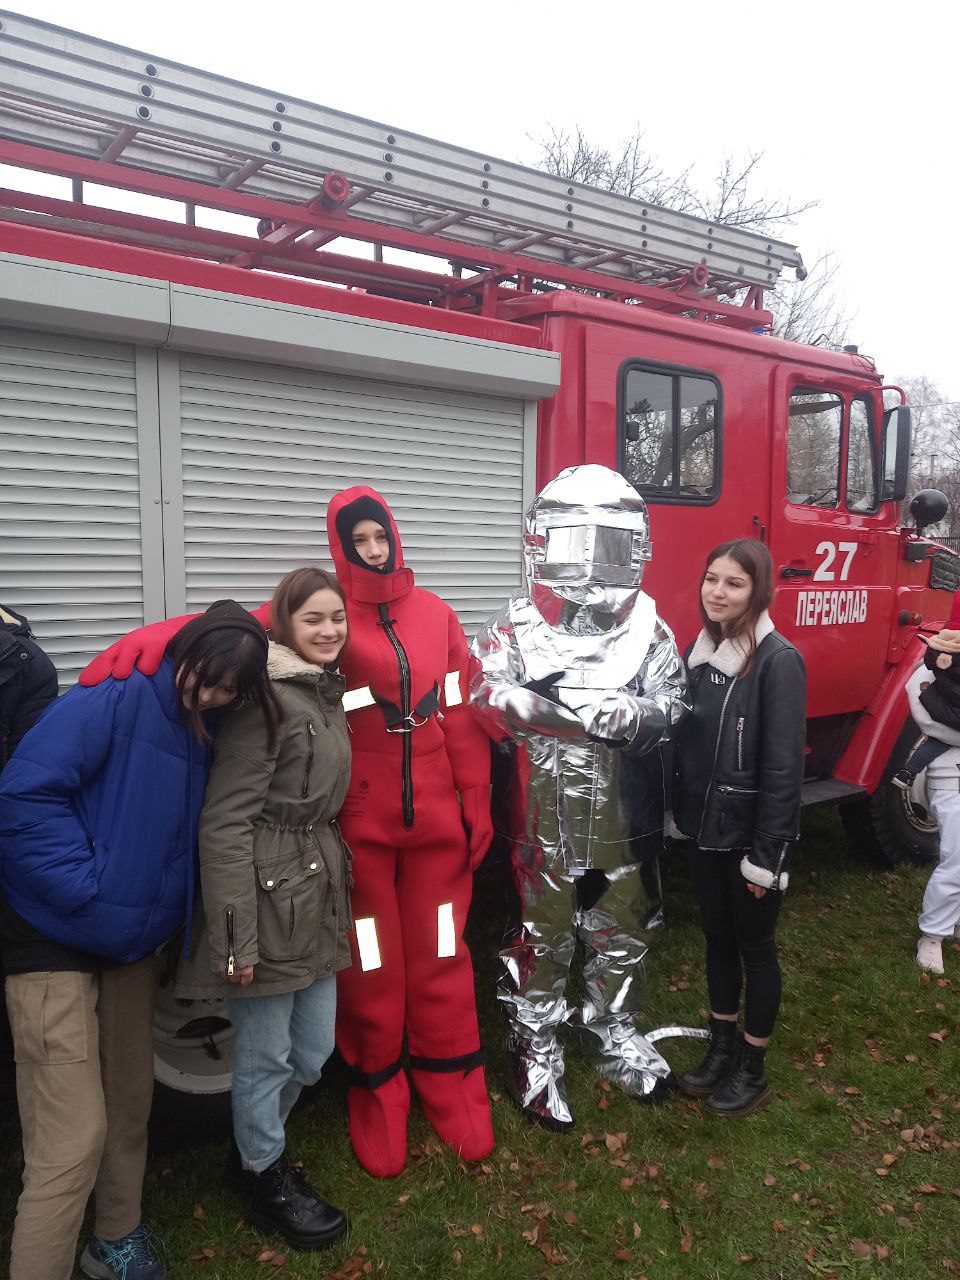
(941, 899)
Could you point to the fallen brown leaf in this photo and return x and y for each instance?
(715, 1162)
(882, 1252)
(553, 1255)
(199, 1212)
(769, 1180)
(777, 1225)
(860, 1249)
(686, 1241)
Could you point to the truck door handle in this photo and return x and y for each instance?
(790, 571)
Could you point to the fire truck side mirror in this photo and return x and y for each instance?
(896, 453)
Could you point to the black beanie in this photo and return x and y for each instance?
(348, 517)
(223, 615)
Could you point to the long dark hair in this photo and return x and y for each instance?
(754, 559)
(292, 593)
(220, 655)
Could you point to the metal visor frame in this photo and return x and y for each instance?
(612, 553)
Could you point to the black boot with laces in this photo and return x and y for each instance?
(285, 1203)
(702, 1080)
(744, 1089)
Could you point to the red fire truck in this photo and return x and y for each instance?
(216, 322)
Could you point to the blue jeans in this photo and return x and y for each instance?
(282, 1042)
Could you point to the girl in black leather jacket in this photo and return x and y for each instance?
(739, 770)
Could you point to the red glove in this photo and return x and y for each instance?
(476, 817)
(143, 648)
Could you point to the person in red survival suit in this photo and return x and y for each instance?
(415, 744)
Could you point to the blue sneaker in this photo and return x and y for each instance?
(132, 1258)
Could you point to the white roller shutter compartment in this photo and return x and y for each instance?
(265, 447)
(70, 541)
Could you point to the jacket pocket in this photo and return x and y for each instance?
(308, 767)
(290, 895)
(737, 813)
(348, 883)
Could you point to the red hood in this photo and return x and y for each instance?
(358, 581)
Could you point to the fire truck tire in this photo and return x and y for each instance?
(892, 826)
(179, 1120)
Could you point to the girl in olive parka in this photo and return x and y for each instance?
(275, 878)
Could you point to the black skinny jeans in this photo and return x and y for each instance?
(740, 932)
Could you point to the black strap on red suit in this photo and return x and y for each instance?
(466, 1063)
(373, 1079)
(428, 705)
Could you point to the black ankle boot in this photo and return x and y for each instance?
(744, 1088)
(284, 1202)
(702, 1080)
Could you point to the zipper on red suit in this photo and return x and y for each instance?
(406, 746)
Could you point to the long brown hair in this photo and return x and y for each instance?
(292, 593)
(754, 559)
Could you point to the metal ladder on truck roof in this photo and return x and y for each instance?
(130, 116)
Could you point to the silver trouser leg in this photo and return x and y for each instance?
(535, 963)
(612, 908)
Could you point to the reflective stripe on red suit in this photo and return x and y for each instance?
(405, 664)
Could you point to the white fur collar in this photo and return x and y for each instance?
(729, 655)
(285, 664)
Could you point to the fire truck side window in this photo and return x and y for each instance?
(813, 448)
(669, 432)
(862, 493)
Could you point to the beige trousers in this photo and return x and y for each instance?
(83, 1044)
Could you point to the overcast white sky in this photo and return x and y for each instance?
(853, 104)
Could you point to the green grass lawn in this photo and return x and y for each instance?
(853, 1170)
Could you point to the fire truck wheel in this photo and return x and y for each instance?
(193, 1070)
(179, 1120)
(893, 826)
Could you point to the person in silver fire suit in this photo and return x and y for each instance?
(583, 680)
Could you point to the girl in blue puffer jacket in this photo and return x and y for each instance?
(98, 826)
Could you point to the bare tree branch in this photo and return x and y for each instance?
(731, 200)
(807, 311)
(629, 171)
